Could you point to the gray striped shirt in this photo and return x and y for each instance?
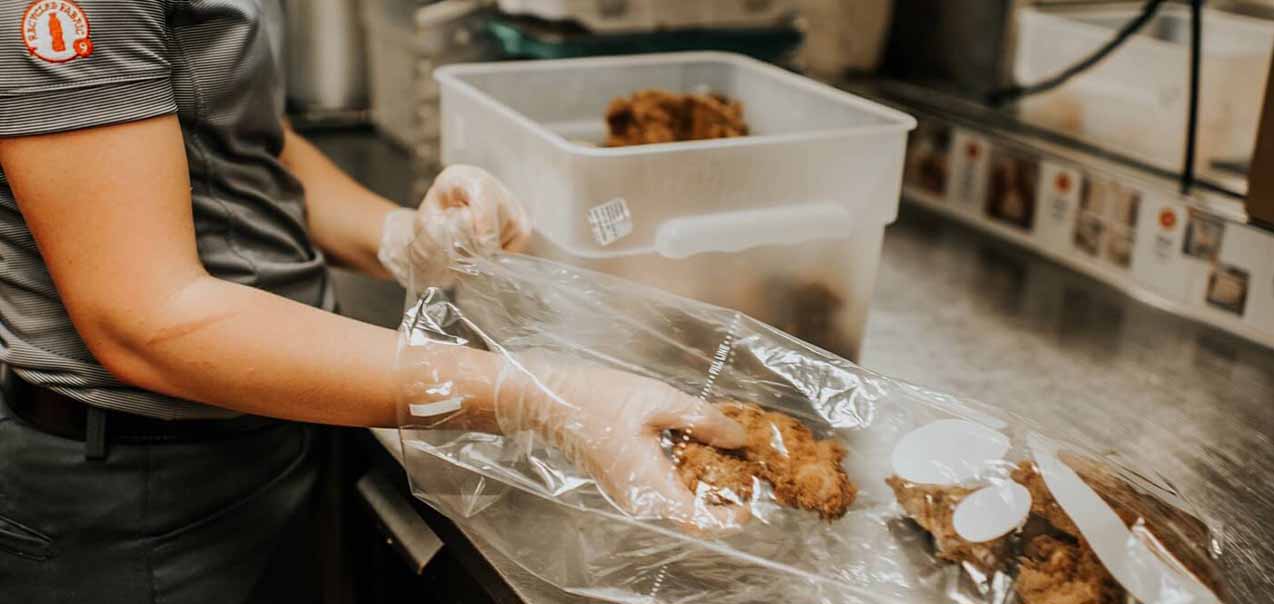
(217, 65)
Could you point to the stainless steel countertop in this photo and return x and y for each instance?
(961, 312)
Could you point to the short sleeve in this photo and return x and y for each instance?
(68, 65)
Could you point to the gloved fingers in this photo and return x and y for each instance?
(515, 223)
(456, 227)
(516, 232)
(496, 216)
(396, 234)
(656, 488)
(702, 421)
(497, 211)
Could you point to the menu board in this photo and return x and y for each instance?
(1130, 234)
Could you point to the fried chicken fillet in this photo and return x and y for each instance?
(804, 472)
(1055, 564)
(659, 116)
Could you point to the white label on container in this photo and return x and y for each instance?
(610, 221)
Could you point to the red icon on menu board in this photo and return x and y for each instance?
(1167, 218)
(1062, 183)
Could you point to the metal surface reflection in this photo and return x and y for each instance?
(959, 312)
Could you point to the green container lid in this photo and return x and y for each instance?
(535, 39)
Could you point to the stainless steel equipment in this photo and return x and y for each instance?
(326, 56)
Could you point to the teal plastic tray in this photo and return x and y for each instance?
(534, 39)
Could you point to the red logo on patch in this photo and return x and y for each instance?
(56, 31)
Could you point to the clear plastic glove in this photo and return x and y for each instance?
(465, 211)
(609, 423)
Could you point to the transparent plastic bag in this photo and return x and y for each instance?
(946, 501)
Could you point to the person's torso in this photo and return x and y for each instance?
(225, 65)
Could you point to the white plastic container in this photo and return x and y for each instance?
(843, 36)
(646, 15)
(1135, 101)
(785, 224)
(406, 41)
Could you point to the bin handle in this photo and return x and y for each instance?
(745, 229)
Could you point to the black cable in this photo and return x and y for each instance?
(1013, 93)
(1192, 118)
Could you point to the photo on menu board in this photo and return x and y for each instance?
(928, 156)
(1106, 224)
(1089, 225)
(1119, 248)
(1012, 190)
(1203, 237)
(1227, 288)
(1089, 229)
(1121, 219)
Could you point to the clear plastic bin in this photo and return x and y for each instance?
(1135, 101)
(645, 15)
(785, 224)
(406, 41)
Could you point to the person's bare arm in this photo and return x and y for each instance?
(114, 226)
(110, 211)
(345, 218)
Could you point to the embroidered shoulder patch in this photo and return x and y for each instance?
(56, 31)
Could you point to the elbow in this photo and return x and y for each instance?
(142, 346)
(122, 361)
(119, 346)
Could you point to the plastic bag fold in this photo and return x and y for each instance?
(952, 501)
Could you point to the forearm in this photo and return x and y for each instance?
(246, 350)
(344, 217)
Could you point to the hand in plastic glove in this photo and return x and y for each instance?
(466, 211)
(609, 424)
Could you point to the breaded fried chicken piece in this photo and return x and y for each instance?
(1056, 565)
(721, 477)
(1174, 528)
(1042, 502)
(933, 507)
(1056, 570)
(803, 471)
(659, 116)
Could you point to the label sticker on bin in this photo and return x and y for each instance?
(610, 221)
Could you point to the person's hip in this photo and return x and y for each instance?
(177, 520)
